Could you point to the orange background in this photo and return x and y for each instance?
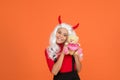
(25, 27)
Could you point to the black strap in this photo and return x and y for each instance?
(73, 62)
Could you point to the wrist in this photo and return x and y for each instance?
(63, 53)
(75, 54)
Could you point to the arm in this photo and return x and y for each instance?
(58, 64)
(78, 63)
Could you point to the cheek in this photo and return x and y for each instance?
(56, 34)
(65, 38)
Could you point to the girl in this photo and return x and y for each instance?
(62, 66)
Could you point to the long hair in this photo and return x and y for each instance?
(53, 47)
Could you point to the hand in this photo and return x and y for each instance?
(79, 54)
(65, 50)
(76, 53)
(71, 52)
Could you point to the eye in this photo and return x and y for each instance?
(59, 32)
(65, 35)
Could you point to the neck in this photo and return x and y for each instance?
(61, 45)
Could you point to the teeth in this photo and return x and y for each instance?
(59, 39)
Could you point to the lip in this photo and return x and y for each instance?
(59, 39)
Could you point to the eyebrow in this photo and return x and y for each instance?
(62, 32)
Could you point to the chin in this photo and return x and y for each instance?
(58, 42)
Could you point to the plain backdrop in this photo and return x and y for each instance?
(25, 27)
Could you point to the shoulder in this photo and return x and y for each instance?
(48, 54)
(45, 50)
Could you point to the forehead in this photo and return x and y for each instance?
(64, 30)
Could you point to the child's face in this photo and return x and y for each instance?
(61, 35)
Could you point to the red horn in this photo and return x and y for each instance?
(74, 27)
(59, 20)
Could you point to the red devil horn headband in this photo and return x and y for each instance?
(74, 27)
(60, 21)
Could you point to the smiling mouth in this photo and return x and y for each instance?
(59, 39)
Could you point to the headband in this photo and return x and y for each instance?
(60, 21)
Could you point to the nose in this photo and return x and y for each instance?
(61, 36)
